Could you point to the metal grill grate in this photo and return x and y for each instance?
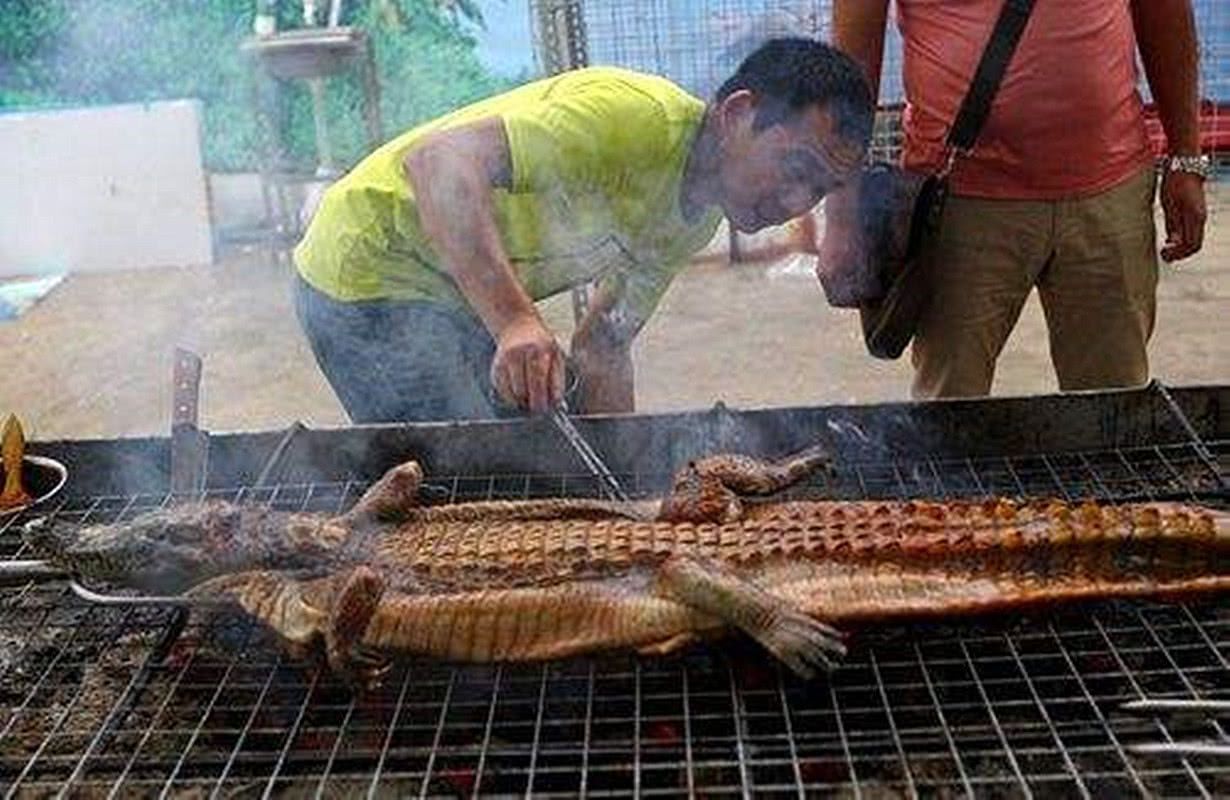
(106, 702)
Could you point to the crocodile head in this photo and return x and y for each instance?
(163, 551)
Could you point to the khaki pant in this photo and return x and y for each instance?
(1094, 262)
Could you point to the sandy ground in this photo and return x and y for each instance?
(93, 359)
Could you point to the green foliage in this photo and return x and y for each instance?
(86, 52)
(427, 66)
(28, 26)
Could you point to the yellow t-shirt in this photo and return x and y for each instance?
(598, 157)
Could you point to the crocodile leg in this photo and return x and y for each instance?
(333, 610)
(352, 599)
(390, 499)
(802, 642)
(708, 490)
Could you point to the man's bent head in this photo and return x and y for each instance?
(792, 124)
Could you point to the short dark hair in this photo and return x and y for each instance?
(791, 74)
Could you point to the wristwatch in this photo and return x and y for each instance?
(1200, 165)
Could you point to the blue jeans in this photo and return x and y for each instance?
(401, 361)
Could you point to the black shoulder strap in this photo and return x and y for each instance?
(1000, 47)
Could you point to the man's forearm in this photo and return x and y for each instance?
(858, 30)
(456, 209)
(602, 354)
(1166, 36)
(607, 383)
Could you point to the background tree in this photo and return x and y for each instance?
(56, 53)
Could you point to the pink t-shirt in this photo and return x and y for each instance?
(1067, 121)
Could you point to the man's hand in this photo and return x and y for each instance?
(1166, 38)
(839, 261)
(528, 368)
(1183, 206)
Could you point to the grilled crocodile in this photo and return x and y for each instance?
(541, 579)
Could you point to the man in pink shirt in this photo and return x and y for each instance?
(1058, 192)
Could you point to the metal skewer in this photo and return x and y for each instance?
(1148, 705)
(1172, 707)
(92, 596)
(18, 572)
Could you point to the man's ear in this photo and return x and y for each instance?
(736, 110)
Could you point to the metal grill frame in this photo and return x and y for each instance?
(107, 702)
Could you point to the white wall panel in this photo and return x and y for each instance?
(109, 187)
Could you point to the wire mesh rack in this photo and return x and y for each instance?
(148, 702)
(700, 43)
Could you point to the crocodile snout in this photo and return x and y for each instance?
(44, 536)
(150, 552)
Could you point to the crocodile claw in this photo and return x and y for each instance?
(366, 668)
(804, 644)
(368, 657)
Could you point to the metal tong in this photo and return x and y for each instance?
(1165, 707)
(593, 462)
(18, 572)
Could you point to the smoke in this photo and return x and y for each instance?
(881, 434)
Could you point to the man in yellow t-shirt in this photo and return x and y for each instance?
(418, 274)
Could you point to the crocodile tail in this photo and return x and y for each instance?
(1171, 539)
(800, 465)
